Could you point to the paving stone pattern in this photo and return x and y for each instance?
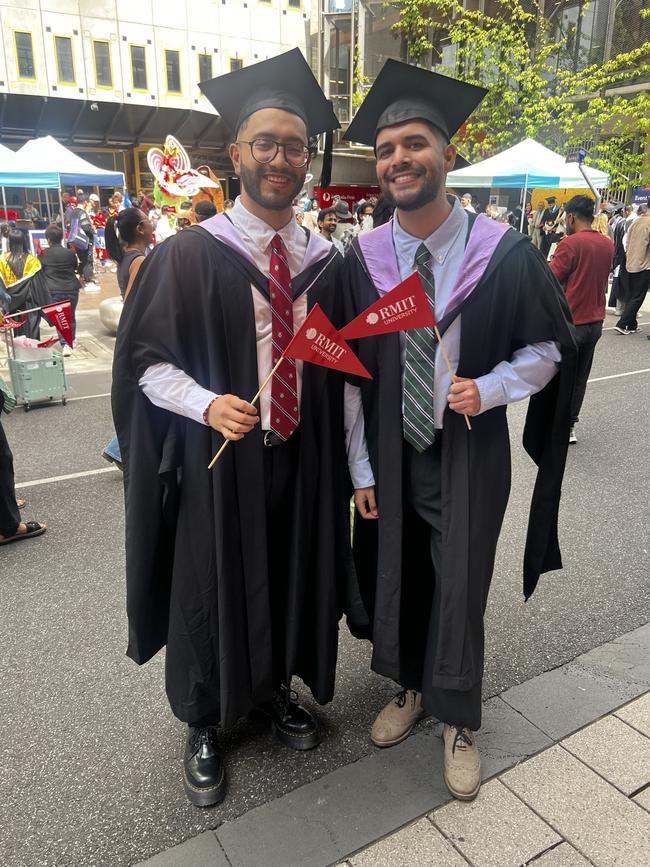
(495, 830)
(604, 825)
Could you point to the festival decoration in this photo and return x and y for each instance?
(175, 179)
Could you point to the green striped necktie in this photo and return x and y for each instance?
(419, 368)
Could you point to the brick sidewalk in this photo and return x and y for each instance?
(584, 801)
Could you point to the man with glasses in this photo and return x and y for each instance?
(237, 570)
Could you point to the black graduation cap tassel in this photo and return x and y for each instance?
(326, 171)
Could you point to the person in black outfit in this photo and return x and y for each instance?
(128, 235)
(78, 222)
(60, 268)
(549, 217)
(127, 238)
(12, 529)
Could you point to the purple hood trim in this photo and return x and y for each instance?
(483, 241)
(376, 247)
(223, 230)
(384, 270)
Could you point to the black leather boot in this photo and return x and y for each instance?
(291, 723)
(204, 772)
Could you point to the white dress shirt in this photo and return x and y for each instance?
(170, 388)
(527, 372)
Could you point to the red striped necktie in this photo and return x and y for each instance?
(284, 385)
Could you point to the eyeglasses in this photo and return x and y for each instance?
(265, 150)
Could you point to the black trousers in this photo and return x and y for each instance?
(423, 492)
(9, 513)
(85, 258)
(279, 474)
(587, 336)
(620, 287)
(639, 284)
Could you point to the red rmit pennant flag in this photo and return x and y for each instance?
(402, 309)
(60, 316)
(318, 342)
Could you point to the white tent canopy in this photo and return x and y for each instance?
(47, 155)
(13, 174)
(528, 164)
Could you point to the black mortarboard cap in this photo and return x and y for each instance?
(284, 82)
(402, 93)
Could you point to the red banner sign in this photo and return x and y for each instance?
(402, 309)
(60, 316)
(318, 342)
(349, 194)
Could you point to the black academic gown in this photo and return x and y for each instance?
(517, 302)
(196, 546)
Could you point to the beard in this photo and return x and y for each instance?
(413, 200)
(251, 180)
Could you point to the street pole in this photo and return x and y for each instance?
(591, 186)
(523, 205)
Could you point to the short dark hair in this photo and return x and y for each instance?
(54, 234)
(324, 212)
(204, 209)
(581, 207)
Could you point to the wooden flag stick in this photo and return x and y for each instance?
(454, 378)
(253, 400)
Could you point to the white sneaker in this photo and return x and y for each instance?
(67, 352)
(462, 762)
(572, 436)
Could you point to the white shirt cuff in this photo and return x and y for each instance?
(172, 389)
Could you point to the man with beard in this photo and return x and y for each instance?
(327, 221)
(431, 492)
(237, 570)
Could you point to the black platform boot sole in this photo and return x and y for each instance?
(206, 797)
(296, 742)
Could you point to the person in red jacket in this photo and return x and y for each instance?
(582, 263)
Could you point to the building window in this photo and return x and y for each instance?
(235, 64)
(173, 64)
(138, 67)
(103, 72)
(25, 55)
(205, 67)
(64, 59)
(295, 4)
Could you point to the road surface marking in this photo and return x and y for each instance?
(618, 375)
(35, 482)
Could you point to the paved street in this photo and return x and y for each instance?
(90, 771)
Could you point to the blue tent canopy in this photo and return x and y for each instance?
(45, 163)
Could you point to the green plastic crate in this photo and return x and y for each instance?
(34, 381)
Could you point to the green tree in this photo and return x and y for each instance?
(511, 51)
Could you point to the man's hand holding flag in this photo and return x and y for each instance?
(317, 341)
(404, 308)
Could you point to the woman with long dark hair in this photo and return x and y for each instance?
(22, 277)
(128, 235)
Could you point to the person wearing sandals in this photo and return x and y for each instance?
(12, 529)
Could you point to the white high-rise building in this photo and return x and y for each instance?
(110, 78)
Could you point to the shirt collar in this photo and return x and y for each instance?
(261, 234)
(440, 242)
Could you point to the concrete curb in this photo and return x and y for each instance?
(327, 820)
